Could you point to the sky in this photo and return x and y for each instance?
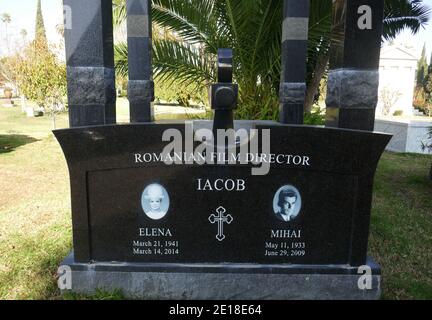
(23, 13)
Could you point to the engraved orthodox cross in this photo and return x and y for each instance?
(220, 219)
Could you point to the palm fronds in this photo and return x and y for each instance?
(404, 14)
(253, 29)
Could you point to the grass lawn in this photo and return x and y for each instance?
(401, 233)
(35, 223)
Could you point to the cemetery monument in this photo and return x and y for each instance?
(197, 210)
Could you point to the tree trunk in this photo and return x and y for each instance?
(23, 104)
(313, 87)
(430, 173)
(7, 38)
(54, 121)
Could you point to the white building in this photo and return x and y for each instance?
(397, 80)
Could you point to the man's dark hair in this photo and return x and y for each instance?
(285, 194)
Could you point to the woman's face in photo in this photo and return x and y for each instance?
(289, 204)
(155, 204)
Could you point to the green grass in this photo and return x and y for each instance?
(13, 122)
(401, 233)
(35, 222)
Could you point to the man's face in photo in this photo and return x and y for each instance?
(289, 204)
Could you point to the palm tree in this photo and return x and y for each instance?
(253, 30)
(24, 34)
(6, 19)
(60, 29)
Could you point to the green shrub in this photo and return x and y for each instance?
(316, 118)
(184, 95)
(426, 109)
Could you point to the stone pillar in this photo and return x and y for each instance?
(224, 94)
(294, 55)
(353, 80)
(141, 86)
(90, 62)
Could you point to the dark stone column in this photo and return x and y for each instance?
(141, 86)
(90, 63)
(294, 55)
(353, 80)
(224, 94)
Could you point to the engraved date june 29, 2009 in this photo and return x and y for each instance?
(285, 249)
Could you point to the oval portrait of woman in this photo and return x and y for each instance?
(287, 203)
(155, 201)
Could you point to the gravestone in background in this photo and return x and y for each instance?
(157, 225)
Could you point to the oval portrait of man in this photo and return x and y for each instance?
(155, 201)
(287, 203)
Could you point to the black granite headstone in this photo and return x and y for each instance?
(112, 166)
(278, 211)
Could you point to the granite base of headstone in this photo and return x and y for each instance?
(223, 281)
